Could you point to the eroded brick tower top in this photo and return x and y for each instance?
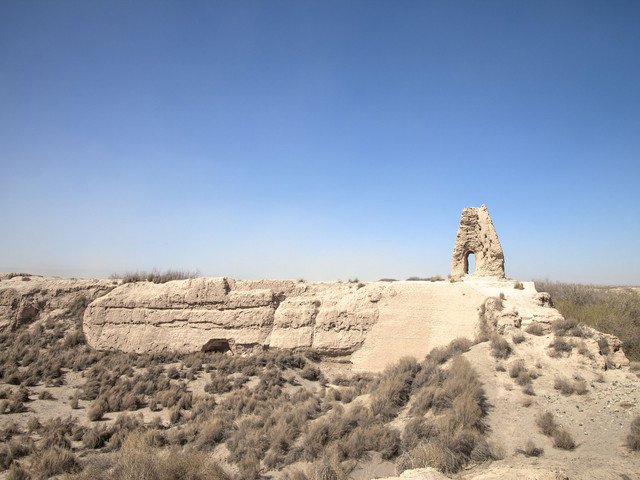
(477, 236)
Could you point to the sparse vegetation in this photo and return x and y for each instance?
(500, 347)
(565, 386)
(260, 407)
(561, 438)
(530, 450)
(609, 310)
(156, 276)
(559, 346)
(435, 278)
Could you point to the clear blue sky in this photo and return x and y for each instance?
(319, 139)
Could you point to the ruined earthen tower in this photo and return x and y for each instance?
(477, 236)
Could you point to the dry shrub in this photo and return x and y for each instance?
(516, 368)
(53, 461)
(320, 434)
(455, 437)
(175, 415)
(569, 327)
(58, 432)
(139, 458)
(383, 439)
(530, 450)
(212, 433)
(535, 329)
(558, 347)
(518, 338)
(6, 456)
(500, 347)
(524, 378)
(415, 431)
(565, 386)
(157, 276)
(434, 454)
(547, 423)
(440, 355)
(633, 438)
(310, 373)
(74, 401)
(17, 472)
(563, 439)
(96, 411)
(46, 395)
(394, 388)
(466, 411)
(94, 438)
(528, 390)
(294, 474)
(327, 470)
(33, 424)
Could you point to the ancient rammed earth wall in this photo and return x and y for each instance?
(186, 315)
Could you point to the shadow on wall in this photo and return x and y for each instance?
(218, 345)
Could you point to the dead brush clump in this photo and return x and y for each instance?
(440, 355)
(528, 390)
(518, 338)
(17, 472)
(97, 410)
(394, 388)
(310, 373)
(546, 423)
(219, 383)
(536, 329)
(500, 347)
(141, 458)
(569, 327)
(417, 430)
(95, 438)
(212, 433)
(530, 450)
(633, 438)
(516, 368)
(58, 431)
(561, 438)
(353, 433)
(157, 276)
(558, 347)
(455, 436)
(54, 461)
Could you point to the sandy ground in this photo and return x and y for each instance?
(598, 420)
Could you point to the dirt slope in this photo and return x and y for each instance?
(416, 317)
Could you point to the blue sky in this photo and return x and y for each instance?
(319, 140)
